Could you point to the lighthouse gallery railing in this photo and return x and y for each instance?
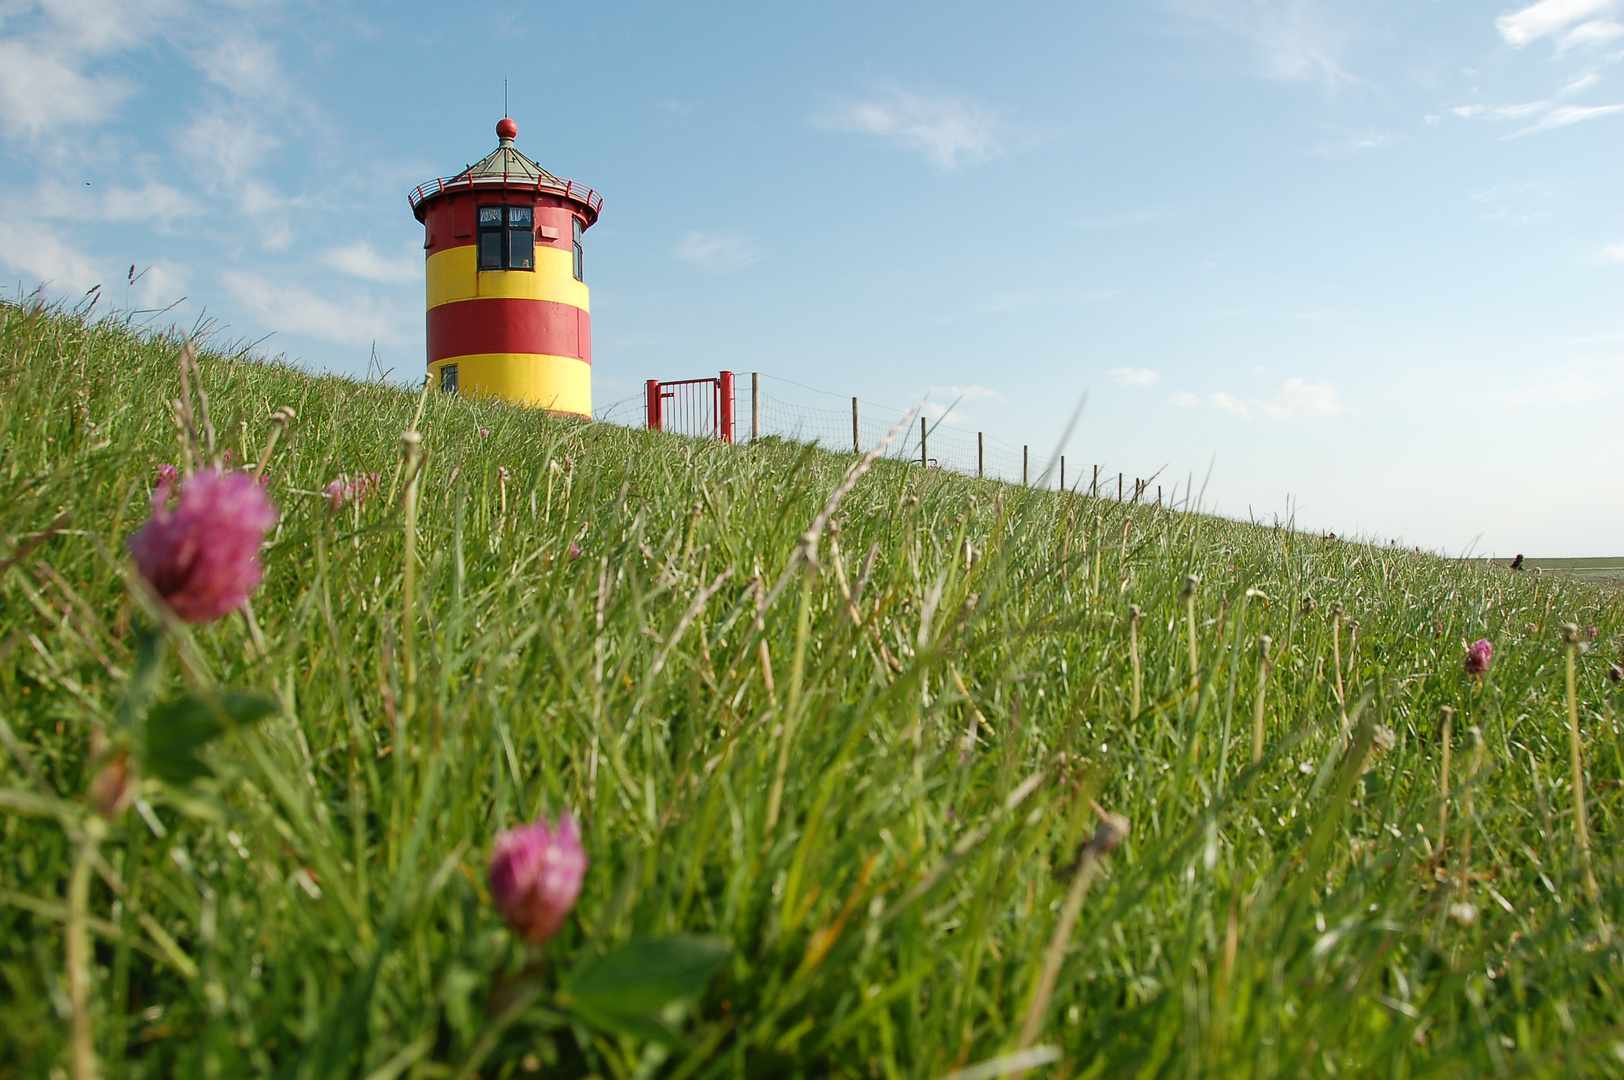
(459, 183)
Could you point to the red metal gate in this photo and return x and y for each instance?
(701, 407)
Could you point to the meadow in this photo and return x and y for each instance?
(929, 777)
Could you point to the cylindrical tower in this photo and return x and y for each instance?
(508, 314)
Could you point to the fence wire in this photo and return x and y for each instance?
(795, 412)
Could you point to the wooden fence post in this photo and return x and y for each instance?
(755, 405)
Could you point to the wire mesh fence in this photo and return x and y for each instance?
(766, 406)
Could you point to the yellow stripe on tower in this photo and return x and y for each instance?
(559, 383)
(453, 274)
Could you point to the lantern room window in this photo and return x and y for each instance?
(577, 223)
(507, 239)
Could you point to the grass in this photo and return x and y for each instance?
(870, 774)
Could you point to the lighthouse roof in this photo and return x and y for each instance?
(508, 170)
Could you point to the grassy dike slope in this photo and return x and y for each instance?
(319, 907)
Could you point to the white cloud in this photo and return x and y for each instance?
(157, 203)
(1126, 220)
(1127, 376)
(247, 66)
(1296, 398)
(1020, 300)
(948, 131)
(716, 251)
(1354, 144)
(359, 260)
(1550, 114)
(1553, 18)
(1593, 35)
(48, 89)
(1579, 85)
(1564, 115)
(39, 253)
(41, 92)
(291, 309)
(1296, 41)
(1500, 112)
(1614, 252)
(950, 409)
(227, 143)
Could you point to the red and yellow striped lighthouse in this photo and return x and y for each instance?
(508, 314)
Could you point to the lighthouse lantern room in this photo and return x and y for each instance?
(508, 314)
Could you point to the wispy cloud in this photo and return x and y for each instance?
(1550, 115)
(31, 249)
(948, 404)
(1295, 398)
(356, 320)
(50, 88)
(1360, 143)
(1516, 204)
(1565, 384)
(1614, 252)
(1007, 303)
(949, 131)
(717, 251)
(1564, 115)
(1127, 376)
(360, 260)
(1126, 220)
(1294, 40)
(1298, 398)
(158, 205)
(1571, 23)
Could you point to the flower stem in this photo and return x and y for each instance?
(1581, 825)
(78, 948)
(411, 445)
(1133, 655)
(1263, 644)
(1443, 779)
(1113, 829)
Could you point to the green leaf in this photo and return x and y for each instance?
(628, 990)
(177, 730)
(145, 679)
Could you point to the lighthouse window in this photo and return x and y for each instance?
(506, 241)
(521, 240)
(578, 276)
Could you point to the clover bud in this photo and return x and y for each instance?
(202, 554)
(536, 875)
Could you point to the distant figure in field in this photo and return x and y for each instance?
(1516, 564)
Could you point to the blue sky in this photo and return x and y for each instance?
(1363, 261)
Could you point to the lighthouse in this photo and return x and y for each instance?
(508, 314)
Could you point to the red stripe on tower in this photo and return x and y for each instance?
(500, 325)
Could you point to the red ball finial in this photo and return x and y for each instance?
(506, 128)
